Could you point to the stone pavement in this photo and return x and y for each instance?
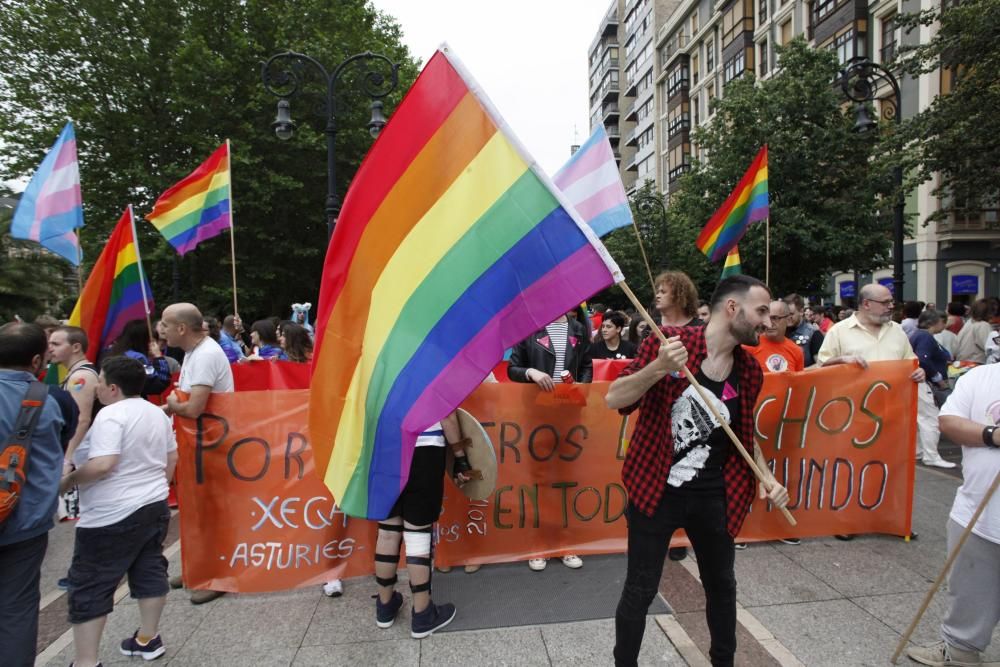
(823, 602)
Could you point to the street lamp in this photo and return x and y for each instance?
(283, 76)
(649, 203)
(860, 80)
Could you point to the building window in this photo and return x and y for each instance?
(710, 95)
(677, 80)
(762, 13)
(695, 70)
(709, 56)
(786, 32)
(888, 38)
(763, 58)
(696, 110)
(680, 161)
(737, 20)
(734, 67)
(679, 119)
(843, 45)
(694, 23)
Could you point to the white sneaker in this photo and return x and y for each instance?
(572, 562)
(333, 589)
(940, 463)
(538, 564)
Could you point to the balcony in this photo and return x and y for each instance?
(609, 24)
(633, 164)
(675, 45)
(608, 63)
(631, 109)
(970, 225)
(609, 90)
(610, 111)
(614, 133)
(632, 138)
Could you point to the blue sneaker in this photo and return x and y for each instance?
(151, 651)
(431, 619)
(63, 584)
(385, 614)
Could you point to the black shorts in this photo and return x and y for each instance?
(420, 502)
(102, 556)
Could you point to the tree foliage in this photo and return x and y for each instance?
(154, 87)
(957, 137)
(829, 204)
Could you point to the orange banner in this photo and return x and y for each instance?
(254, 516)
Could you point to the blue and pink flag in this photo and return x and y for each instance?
(591, 182)
(51, 207)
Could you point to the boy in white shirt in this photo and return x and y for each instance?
(122, 467)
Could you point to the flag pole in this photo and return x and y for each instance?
(705, 399)
(232, 227)
(142, 273)
(767, 251)
(645, 260)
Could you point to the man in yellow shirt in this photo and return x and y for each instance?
(869, 335)
(775, 352)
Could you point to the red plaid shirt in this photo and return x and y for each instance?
(651, 449)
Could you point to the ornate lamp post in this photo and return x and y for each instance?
(283, 76)
(860, 80)
(648, 203)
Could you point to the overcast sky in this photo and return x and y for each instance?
(529, 56)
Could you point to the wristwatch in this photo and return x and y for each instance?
(988, 437)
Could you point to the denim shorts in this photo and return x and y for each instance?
(102, 556)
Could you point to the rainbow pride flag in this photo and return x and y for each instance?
(198, 207)
(747, 203)
(732, 267)
(452, 246)
(51, 207)
(116, 291)
(591, 182)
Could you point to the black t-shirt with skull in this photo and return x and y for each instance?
(700, 443)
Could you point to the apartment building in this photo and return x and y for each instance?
(622, 91)
(698, 46)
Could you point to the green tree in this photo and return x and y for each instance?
(154, 87)
(825, 210)
(958, 136)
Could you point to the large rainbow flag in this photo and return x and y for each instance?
(452, 246)
(51, 207)
(747, 203)
(116, 291)
(198, 207)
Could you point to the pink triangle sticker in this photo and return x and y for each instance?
(728, 393)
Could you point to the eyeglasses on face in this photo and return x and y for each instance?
(887, 302)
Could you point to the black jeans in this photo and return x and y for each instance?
(20, 568)
(704, 520)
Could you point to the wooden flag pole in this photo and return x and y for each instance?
(645, 260)
(705, 399)
(232, 227)
(767, 250)
(947, 566)
(142, 273)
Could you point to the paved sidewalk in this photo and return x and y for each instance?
(824, 602)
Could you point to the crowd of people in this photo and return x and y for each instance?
(103, 451)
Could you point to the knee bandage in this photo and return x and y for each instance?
(418, 541)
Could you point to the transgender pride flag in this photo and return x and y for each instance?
(591, 182)
(51, 207)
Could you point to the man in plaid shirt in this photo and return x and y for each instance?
(681, 470)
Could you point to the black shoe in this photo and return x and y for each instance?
(431, 619)
(385, 614)
(677, 553)
(150, 651)
(844, 538)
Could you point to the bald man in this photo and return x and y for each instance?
(205, 371)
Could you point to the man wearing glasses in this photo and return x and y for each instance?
(775, 352)
(871, 335)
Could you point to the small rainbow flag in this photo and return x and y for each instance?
(51, 207)
(732, 267)
(591, 182)
(116, 291)
(747, 203)
(198, 207)
(452, 246)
